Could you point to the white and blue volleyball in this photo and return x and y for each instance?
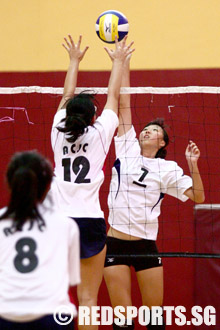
(111, 23)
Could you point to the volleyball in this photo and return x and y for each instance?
(111, 23)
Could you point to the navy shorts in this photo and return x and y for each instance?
(117, 246)
(44, 323)
(92, 236)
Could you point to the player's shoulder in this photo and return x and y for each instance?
(2, 210)
(59, 115)
(167, 163)
(3, 222)
(108, 112)
(128, 136)
(169, 166)
(107, 117)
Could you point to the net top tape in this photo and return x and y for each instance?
(101, 90)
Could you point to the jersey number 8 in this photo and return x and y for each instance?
(25, 260)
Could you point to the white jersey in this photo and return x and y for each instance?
(78, 166)
(138, 186)
(37, 267)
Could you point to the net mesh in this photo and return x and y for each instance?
(191, 113)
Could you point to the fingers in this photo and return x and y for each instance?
(74, 49)
(192, 144)
(130, 51)
(131, 44)
(120, 43)
(109, 52)
(71, 40)
(123, 41)
(65, 47)
(85, 50)
(116, 42)
(67, 44)
(70, 43)
(192, 148)
(79, 41)
(121, 48)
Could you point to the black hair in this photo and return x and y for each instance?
(162, 152)
(29, 175)
(80, 111)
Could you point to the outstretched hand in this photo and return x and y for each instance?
(73, 49)
(192, 152)
(122, 51)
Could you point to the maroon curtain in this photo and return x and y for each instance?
(207, 271)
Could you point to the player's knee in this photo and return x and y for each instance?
(87, 301)
(125, 326)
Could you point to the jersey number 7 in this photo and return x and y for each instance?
(142, 177)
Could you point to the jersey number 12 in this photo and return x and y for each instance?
(80, 168)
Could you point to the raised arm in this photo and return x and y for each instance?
(125, 117)
(196, 192)
(118, 57)
(75, 55)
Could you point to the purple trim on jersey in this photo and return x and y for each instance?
(161, 197)
(117, 166)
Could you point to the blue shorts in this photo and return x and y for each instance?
(44, 323)
(121, 247)
(92, 236)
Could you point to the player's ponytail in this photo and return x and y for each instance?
(80, 111)
(29, 175)
(23, 199)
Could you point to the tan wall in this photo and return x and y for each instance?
(168, 34)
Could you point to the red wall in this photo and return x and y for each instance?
(194, 117)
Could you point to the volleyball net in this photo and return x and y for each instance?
(191, 113)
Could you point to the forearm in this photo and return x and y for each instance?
(125, 119)
(115, 79)
(75, 55)
(125, 98)
(114, 85)
(70, 82)
(71, 79)
(198, 194)
(118, 57)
